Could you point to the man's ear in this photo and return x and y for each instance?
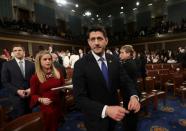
(106, 39)
(88, 42)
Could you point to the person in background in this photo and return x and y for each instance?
(1, 65)
(171, 60)
(96, 78)
(15, 76)
(50, 49)
(7, 54)
(73, 58)
(129, 64)
(108, 51)
(116, 52)
(47, 78)
(81, 54)
(66, 60)
(58, 65)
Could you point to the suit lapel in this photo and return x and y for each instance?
(17, 68)
(95, 65)
(96, 69)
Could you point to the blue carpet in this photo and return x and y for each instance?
(169, 118)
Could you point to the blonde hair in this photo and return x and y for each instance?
(39, 71)
(128, 49)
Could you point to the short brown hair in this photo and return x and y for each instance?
(18, 45)
(97, 28)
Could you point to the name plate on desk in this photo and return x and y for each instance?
(63, 87)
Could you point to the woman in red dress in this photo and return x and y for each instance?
(46, 78)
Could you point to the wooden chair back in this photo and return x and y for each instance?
(29, 122)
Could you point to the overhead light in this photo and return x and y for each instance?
(76, 5)
(122, 7)
(73, 10)
(121, 12)
(92, 19)
(110, 16)
(61, 2)
(88, 13)
(97, 15)
(134, 8)
(150, 4)
(137, 3)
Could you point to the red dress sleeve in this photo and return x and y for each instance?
(34, 86)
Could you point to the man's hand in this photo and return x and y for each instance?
(116, 112)
(134, 104)
(21, 93)
(27, 92)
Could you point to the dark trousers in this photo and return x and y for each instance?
(130, 121)
(100, 124)
(20, 106)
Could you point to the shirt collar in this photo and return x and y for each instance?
(18, 60)
(98, 57)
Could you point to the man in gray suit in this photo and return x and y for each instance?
(15, 76)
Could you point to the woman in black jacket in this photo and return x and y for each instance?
(128, 63)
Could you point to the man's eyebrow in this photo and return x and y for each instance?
(96, 37)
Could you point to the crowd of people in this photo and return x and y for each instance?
(28, 26)
(167, 56)
(96, 78)
(162, 27)
(32, 86)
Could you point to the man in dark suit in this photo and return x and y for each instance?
(1, 64)
(95, 88)
(15, 76)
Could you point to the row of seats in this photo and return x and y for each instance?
(160, 78)
(162, 66)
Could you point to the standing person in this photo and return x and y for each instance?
(58, 65)
(73, 58)
(15, 76)
(116, 52)
(46, 78)
(81, 54)
(96, 78)
(1, 65)
(126, 57)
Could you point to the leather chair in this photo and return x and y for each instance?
(2, 117)
(166, 66)
(152, 93)
(148, 91)
(29, 122)
(178, 81)
(157, 66)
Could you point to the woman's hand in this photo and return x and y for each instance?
(45, 101)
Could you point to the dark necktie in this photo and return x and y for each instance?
(21, 67)
(104, 70)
